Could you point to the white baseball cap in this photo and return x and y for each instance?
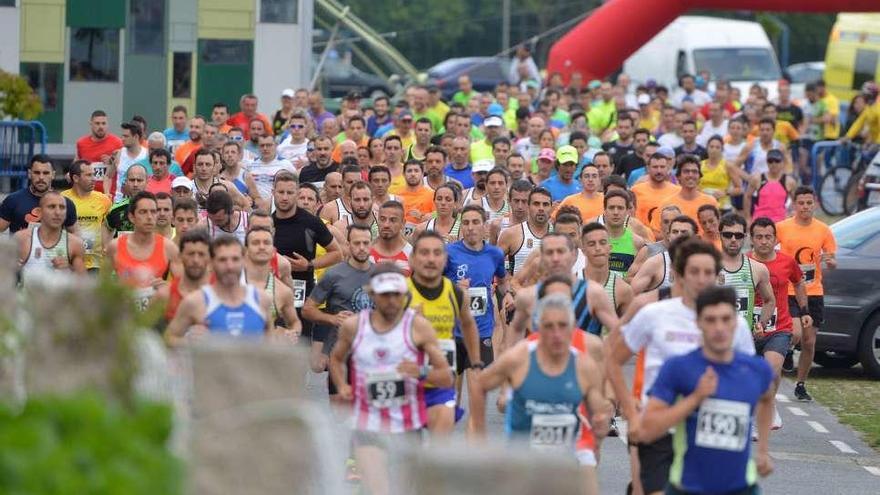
(287, 93)
(493, 121)
(388, 282)
(181, 182)
(483, 165)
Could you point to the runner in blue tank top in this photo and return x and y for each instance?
(711, 394)
(549, 380)
(225, 307)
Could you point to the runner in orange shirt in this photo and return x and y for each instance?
(811, 243)
(590, 201)
(689, 198)
(650, 193)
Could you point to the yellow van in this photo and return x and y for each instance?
(853, 54)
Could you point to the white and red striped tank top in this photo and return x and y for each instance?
(384, 400)
(400, 259)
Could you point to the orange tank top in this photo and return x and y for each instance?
(140, 273)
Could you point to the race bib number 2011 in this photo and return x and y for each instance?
(723, 425)
(553, 430)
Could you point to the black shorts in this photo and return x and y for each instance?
(778, 342)
(462, 363)
(751, 490)
(815, 305)
(655, 459)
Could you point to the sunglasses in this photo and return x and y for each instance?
(237, 138)
(733, 235)
(297, 126)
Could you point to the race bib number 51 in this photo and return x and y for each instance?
(723, 425)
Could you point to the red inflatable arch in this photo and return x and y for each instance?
(619, 27)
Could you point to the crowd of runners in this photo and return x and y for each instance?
(427, 252)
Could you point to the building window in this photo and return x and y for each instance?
(44, 79)
(181, 81)
(215, 52)
(94, 54)
(7, 3)
(279, 11)
(147, 19)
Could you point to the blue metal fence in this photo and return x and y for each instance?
(19, 141)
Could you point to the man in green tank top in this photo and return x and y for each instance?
(745, 275)
(624, 243)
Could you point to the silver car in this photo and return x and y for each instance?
(851, 333)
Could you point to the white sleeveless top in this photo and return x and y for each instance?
(39, 258)
(240, 230)
(343, 211)
(580, 264)
(530, 242)
(493, 214)
(384, 400)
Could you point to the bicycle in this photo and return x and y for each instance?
(863, 189)
(842, 161)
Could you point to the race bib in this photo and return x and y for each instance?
(756, 317)
(142, 297)
(408, 229)
(809, 270)
(385, 390)
(299, 293)
(550, 431)
(742, 302)
(235, 323)
(723, 425)
(479, 300)
(448, 348)
(100, 170)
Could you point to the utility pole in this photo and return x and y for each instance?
(505, 24)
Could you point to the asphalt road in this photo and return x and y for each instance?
(813, 453)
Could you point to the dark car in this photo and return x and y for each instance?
(851, 333)
(339, 78)
(485, 73)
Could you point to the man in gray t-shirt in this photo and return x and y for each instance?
(342, 289)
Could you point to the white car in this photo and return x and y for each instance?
(803, 73)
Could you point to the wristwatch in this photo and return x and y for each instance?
(478, 365)
(311, 265)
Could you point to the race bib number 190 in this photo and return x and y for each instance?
(723, 425)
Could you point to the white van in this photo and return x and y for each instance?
(731, 50)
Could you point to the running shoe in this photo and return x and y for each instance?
(351, 471)
(777, 420)
(800, 393)
(613, 430)
(788, 363)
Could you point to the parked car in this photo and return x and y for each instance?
(485, 73)
(338, 78)
(803, 73)
(851, 332)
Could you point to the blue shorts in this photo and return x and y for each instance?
(439, 397)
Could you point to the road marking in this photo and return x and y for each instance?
(817, 427)
(873, 470)
(797, 411)
(843, 447)
(782, 398)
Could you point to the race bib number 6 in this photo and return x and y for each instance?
(385, 390)
(479, 300)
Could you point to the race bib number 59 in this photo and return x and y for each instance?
(386, 390)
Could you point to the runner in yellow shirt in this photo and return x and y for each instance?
(91, 209)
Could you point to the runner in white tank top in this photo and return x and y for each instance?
(530, 242)
(240, 230)
(343, 211)
(39, 258)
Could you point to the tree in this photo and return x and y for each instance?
(17, 98)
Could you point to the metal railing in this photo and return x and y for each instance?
(20, 140)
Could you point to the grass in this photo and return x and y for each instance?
(852, 396)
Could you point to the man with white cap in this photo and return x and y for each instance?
(181, 187)
(563, 183)
(493, 128)
(390, 352)
(282, 117)
(479, 173)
